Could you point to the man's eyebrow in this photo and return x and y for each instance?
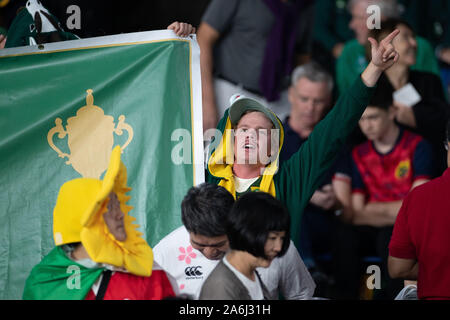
(218, 244)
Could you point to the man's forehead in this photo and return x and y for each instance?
(255, 119)
(305, 85)
(207, 241)
(373, 111)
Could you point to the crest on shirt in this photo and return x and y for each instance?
(403, 169)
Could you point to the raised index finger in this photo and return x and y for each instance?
(391, 36)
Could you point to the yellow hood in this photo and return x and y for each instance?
(78, 217)
(220, 163)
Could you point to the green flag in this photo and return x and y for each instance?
(57, 277)
(64, 106)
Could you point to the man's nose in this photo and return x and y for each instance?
(209, 251)
(251, 134)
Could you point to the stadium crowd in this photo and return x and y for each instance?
(356, 175)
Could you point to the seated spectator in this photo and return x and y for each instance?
(258, 232)
(353, 58)
(418, 247)
(428, 117)
(192, 251)
(97, 241)
(310, 96)
(385, 168)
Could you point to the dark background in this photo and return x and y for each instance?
(106, 17)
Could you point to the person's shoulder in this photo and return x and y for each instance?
(423, 43)
(361, 149)
(166, 246)
(424, 192)
(423, 76)
(352, 45)
(218, 278)
(352, 51)
(220, 275)
(179, 234)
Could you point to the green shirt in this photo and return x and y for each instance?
(331, 19)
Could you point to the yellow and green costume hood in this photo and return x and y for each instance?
(220, 163)
(78, 217)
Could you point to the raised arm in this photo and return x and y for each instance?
(207, 37)
(300, 175)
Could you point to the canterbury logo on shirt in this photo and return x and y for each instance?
(194, 271)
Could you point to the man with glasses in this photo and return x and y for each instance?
(192, 251)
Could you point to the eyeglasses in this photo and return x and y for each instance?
(446, 145)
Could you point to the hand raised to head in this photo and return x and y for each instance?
(384, 54)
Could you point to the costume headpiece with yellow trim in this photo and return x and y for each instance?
(78, 217)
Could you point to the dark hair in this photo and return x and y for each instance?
(387, 26)
(253, 216)
(382, 97)
(204, 208)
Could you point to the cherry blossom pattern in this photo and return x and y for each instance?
(186, 254)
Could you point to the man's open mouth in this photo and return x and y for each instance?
(249, 146)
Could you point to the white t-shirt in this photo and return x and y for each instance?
(241, 185)
(254, 287)
(287, 275)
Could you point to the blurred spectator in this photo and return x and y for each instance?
(331, 21)
(250, 47)
(258, 228)
(203, 242)
(331, 31)
(419, 247)
(430, 19)
(353, 58)
(310, 96)
(427, 117)
(34, 24)
(385, 169)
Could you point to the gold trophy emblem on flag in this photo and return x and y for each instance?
(90, 138)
